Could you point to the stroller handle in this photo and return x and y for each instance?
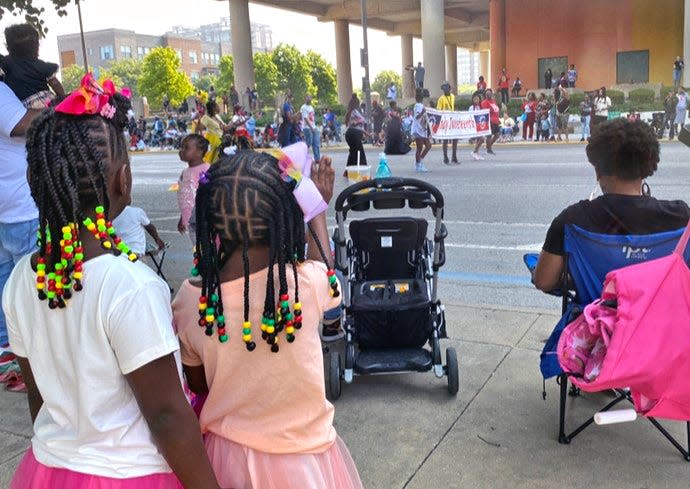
(388, 183)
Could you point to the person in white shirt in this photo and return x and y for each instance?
(91, 326)
(602, 103)
(392, 93)
(420, 133)
(131, 224)
(18, 214)
(312, 136)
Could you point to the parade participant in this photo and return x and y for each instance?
(447, 102)
(91, 327)
(192, 151)
(494, 119)
(476, 105)
(266, 419)
(355, 133)
(212, 127)
(420, 133)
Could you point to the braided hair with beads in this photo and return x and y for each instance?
(68, 159)
(243, 201)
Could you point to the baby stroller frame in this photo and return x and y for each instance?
(429, 257)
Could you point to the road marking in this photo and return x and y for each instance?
(470, 246)
(485, 278)
(484, 223)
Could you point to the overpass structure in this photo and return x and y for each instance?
(443, 26)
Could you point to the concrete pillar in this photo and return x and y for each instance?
(242, 58)
(484, 66)
(342, 57)
(433, 39)
(452, 66)
(686, 45)
(497, 36)
(407, 61)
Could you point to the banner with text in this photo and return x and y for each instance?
(458, 125)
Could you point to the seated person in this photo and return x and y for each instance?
(623, 154)
(507, 125)
(130, 225)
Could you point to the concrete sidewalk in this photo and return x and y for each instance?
(406, 431)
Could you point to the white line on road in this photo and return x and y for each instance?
(470, 246)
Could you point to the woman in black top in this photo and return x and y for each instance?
(623, 154)
(548, 77)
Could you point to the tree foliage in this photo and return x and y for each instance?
(266, 76)
(160, 75)
(324, 78)
(204, 83)
(295, 72)
(226, 78)
(383, 81)
(125, 73)
(31, 13)
(71, 77)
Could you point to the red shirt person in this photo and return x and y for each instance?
(494, 118)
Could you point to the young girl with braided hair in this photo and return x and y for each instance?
(248, 327)
(90, 326)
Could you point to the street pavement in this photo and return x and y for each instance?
(405, 431)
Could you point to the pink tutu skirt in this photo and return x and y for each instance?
(31, 474)
(240, 467)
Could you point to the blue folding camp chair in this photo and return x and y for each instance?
(589, 257)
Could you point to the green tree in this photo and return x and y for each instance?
(160, 75)
(204, 83)
(324, 78)
(125, 73)
(383, 81)
(295, 73)
(71, 77)
(266, 76)
(227, 74)
(31, 13)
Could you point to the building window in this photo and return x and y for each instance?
(140, 52)
(126, 51)
(558, 65)
(89, 51)
(107, 53)
(195, 75)
(192, 57)
(179, 54)
(632, 67)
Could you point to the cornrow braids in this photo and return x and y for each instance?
(68, 161)
(247, 202)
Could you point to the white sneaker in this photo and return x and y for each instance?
(476, 157)
(420, 168)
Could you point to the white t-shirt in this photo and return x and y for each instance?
(129, 226)
(90, 421)
(601, 106)
(419, 125)
(308, 117)
(16, 203)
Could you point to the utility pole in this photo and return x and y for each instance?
(83, 43)
(366, 88)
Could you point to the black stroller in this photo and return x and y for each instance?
(391, 309)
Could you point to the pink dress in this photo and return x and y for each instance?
(266, 420)
(186, 195)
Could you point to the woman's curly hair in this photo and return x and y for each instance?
(625, 149)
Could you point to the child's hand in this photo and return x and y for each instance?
(181, 227)
(323, 175)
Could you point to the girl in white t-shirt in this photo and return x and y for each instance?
(91, 327)
(602, 103)
(420, 133)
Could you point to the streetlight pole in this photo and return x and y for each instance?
(83, 43)
(366, 88)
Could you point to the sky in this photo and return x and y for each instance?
(158, 16)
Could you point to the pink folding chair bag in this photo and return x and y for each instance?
(644, 344)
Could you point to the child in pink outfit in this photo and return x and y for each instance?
(192, 151)
(266, 420)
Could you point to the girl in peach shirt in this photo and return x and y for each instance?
(266, 419)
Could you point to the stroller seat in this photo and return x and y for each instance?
(388, 247)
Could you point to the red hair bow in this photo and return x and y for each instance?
(91, 98)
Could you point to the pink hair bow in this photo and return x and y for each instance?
(91, 98)
(295, 165)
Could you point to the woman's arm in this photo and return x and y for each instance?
(173, 424)
(547, 275)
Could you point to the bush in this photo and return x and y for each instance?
(514, 107)
(616, 96)
(641, 96)
(462, 103)
(665, 90)
(576, 99)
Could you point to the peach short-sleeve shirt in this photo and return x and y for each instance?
(271, 402)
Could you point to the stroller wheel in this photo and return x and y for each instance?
(334, 375)
(452, 371)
